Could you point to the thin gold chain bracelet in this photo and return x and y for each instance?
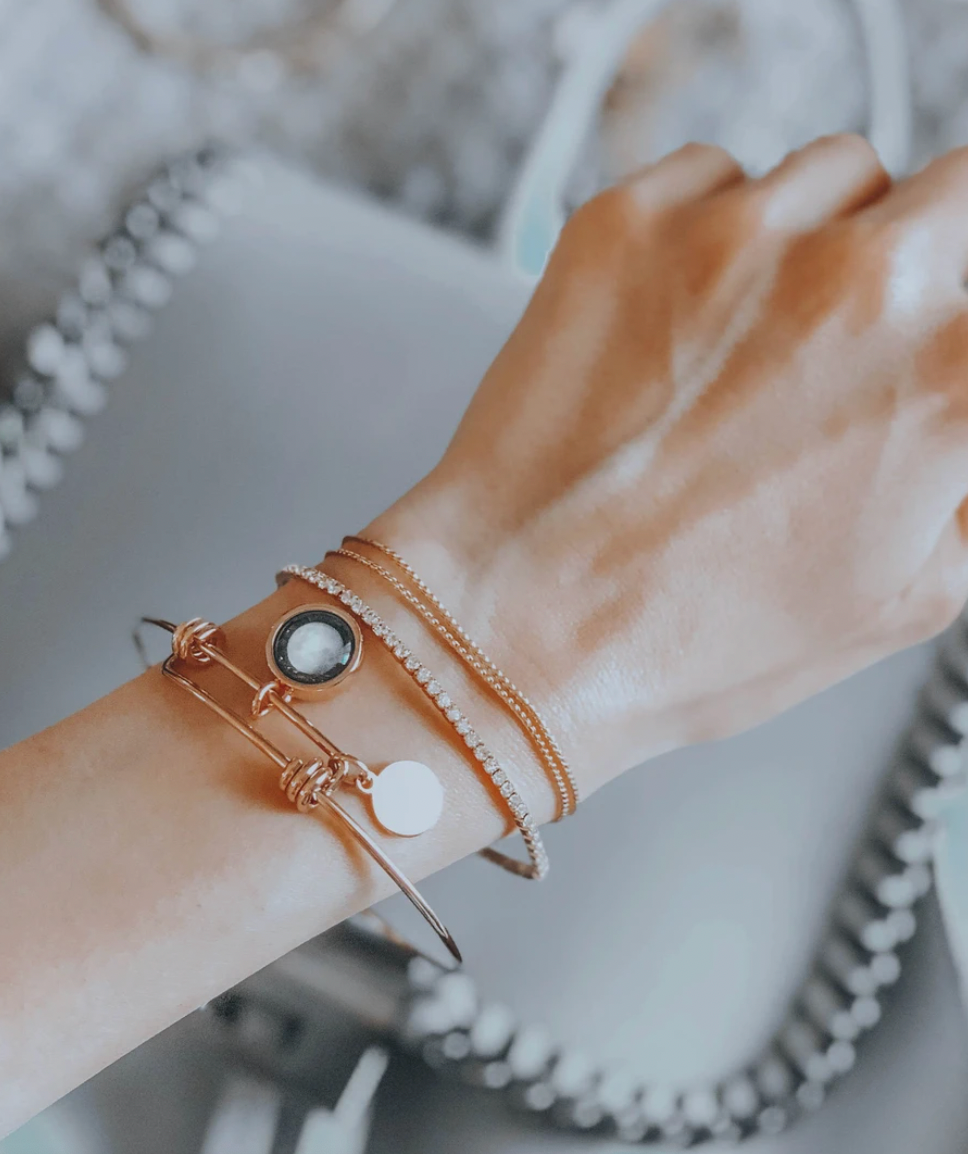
(527, 715)
(481, 755)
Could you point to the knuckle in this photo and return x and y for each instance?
(609, 212)
(742, 211)
(853, 143)
(599, 231)
(952, 165)
(849, 149)
(697, 150)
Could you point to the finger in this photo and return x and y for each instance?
(831, 177)
(689, 173)
(937, 199)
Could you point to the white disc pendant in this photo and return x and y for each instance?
(407, 798)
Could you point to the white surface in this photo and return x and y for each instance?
(684, 900)
(408, 798)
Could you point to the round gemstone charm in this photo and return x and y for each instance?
(407, 798)
(313, 647)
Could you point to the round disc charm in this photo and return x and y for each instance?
(313, 648)
(407, 798)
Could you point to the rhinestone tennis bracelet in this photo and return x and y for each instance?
(501, 782)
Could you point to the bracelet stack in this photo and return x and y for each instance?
(537, 865)
(414, 591)
(314, 648)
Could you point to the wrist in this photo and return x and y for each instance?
(498, 586)
(181, 866)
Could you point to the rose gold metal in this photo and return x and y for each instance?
(262, 702)
(307, 784)
(191, 639)
(298, 688)
(527, 716)
(510, 799)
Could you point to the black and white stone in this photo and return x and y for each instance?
(314, 647)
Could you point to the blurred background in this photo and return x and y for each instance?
(428, 104)
(431, 109)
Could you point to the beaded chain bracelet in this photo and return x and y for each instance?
(537, 866)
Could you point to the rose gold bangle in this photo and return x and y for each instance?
(307, 784)
(527, 716)
(510, 798)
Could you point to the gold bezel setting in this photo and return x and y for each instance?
(306, 684)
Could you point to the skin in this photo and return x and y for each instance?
(728, 438)
(723, 458)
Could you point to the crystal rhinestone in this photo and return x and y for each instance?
(355, 604)
(390, 639)
(490, 764)
(401, 651)
(443, 700)
(433, 688)
(411, 664)
(500, 777)
(453, 714)
(332, 586)
(515, 804)
(423, 676)
(471, 740)
(481, 753)
(507, 789)
(379, 629)
(370, 617)
(346, 597)
(462, 727)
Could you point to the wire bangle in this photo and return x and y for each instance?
(307, 784)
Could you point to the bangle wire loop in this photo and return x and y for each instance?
(307, 784)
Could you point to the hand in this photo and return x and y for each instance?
(722, 461)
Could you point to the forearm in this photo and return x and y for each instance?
(150, 861)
